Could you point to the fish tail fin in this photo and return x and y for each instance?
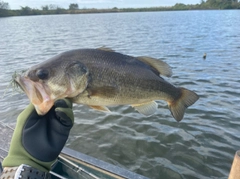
(178, 106)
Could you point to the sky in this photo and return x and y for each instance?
(14, 4)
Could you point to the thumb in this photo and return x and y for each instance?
(64, 112)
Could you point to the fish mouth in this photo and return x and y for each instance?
(37, 94)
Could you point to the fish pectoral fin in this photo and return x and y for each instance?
(104, 91)
(146, 109)
(100, 108)
(162, 67)
(105, 49)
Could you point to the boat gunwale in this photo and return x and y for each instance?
(100, 165)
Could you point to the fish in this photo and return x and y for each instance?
(100, 78)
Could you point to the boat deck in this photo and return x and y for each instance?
(72, 164)
(6, 132)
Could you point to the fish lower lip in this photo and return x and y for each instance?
(36, 93)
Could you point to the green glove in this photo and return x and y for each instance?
(38, 140)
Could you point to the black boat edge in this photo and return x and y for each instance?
(76, 165)
(72, 164)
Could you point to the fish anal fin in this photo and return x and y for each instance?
(103, 91)
(162, 67)
(146, 109)
(100, 108)
(105, 49)
(178, 106)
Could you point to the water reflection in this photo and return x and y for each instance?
(202, 145)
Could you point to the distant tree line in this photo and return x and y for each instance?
(4, 9)
(74, 8)
(209, 4)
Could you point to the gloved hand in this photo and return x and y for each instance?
(38, 140)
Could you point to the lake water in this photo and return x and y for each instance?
(202, 145)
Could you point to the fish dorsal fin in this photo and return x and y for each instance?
(105, 49)
(146, 109)
(162, 67)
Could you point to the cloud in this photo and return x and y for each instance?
(97, 3)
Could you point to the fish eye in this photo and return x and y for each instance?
(42, 74)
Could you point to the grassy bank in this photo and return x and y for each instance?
(73, 8)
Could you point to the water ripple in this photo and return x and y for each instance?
(202, 145)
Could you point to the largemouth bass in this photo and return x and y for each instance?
(100, 78)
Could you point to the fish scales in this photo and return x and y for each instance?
(124, 73)
(101, 78)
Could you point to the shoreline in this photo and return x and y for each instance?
(30, 12)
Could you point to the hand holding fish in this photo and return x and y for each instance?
(38, 140)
